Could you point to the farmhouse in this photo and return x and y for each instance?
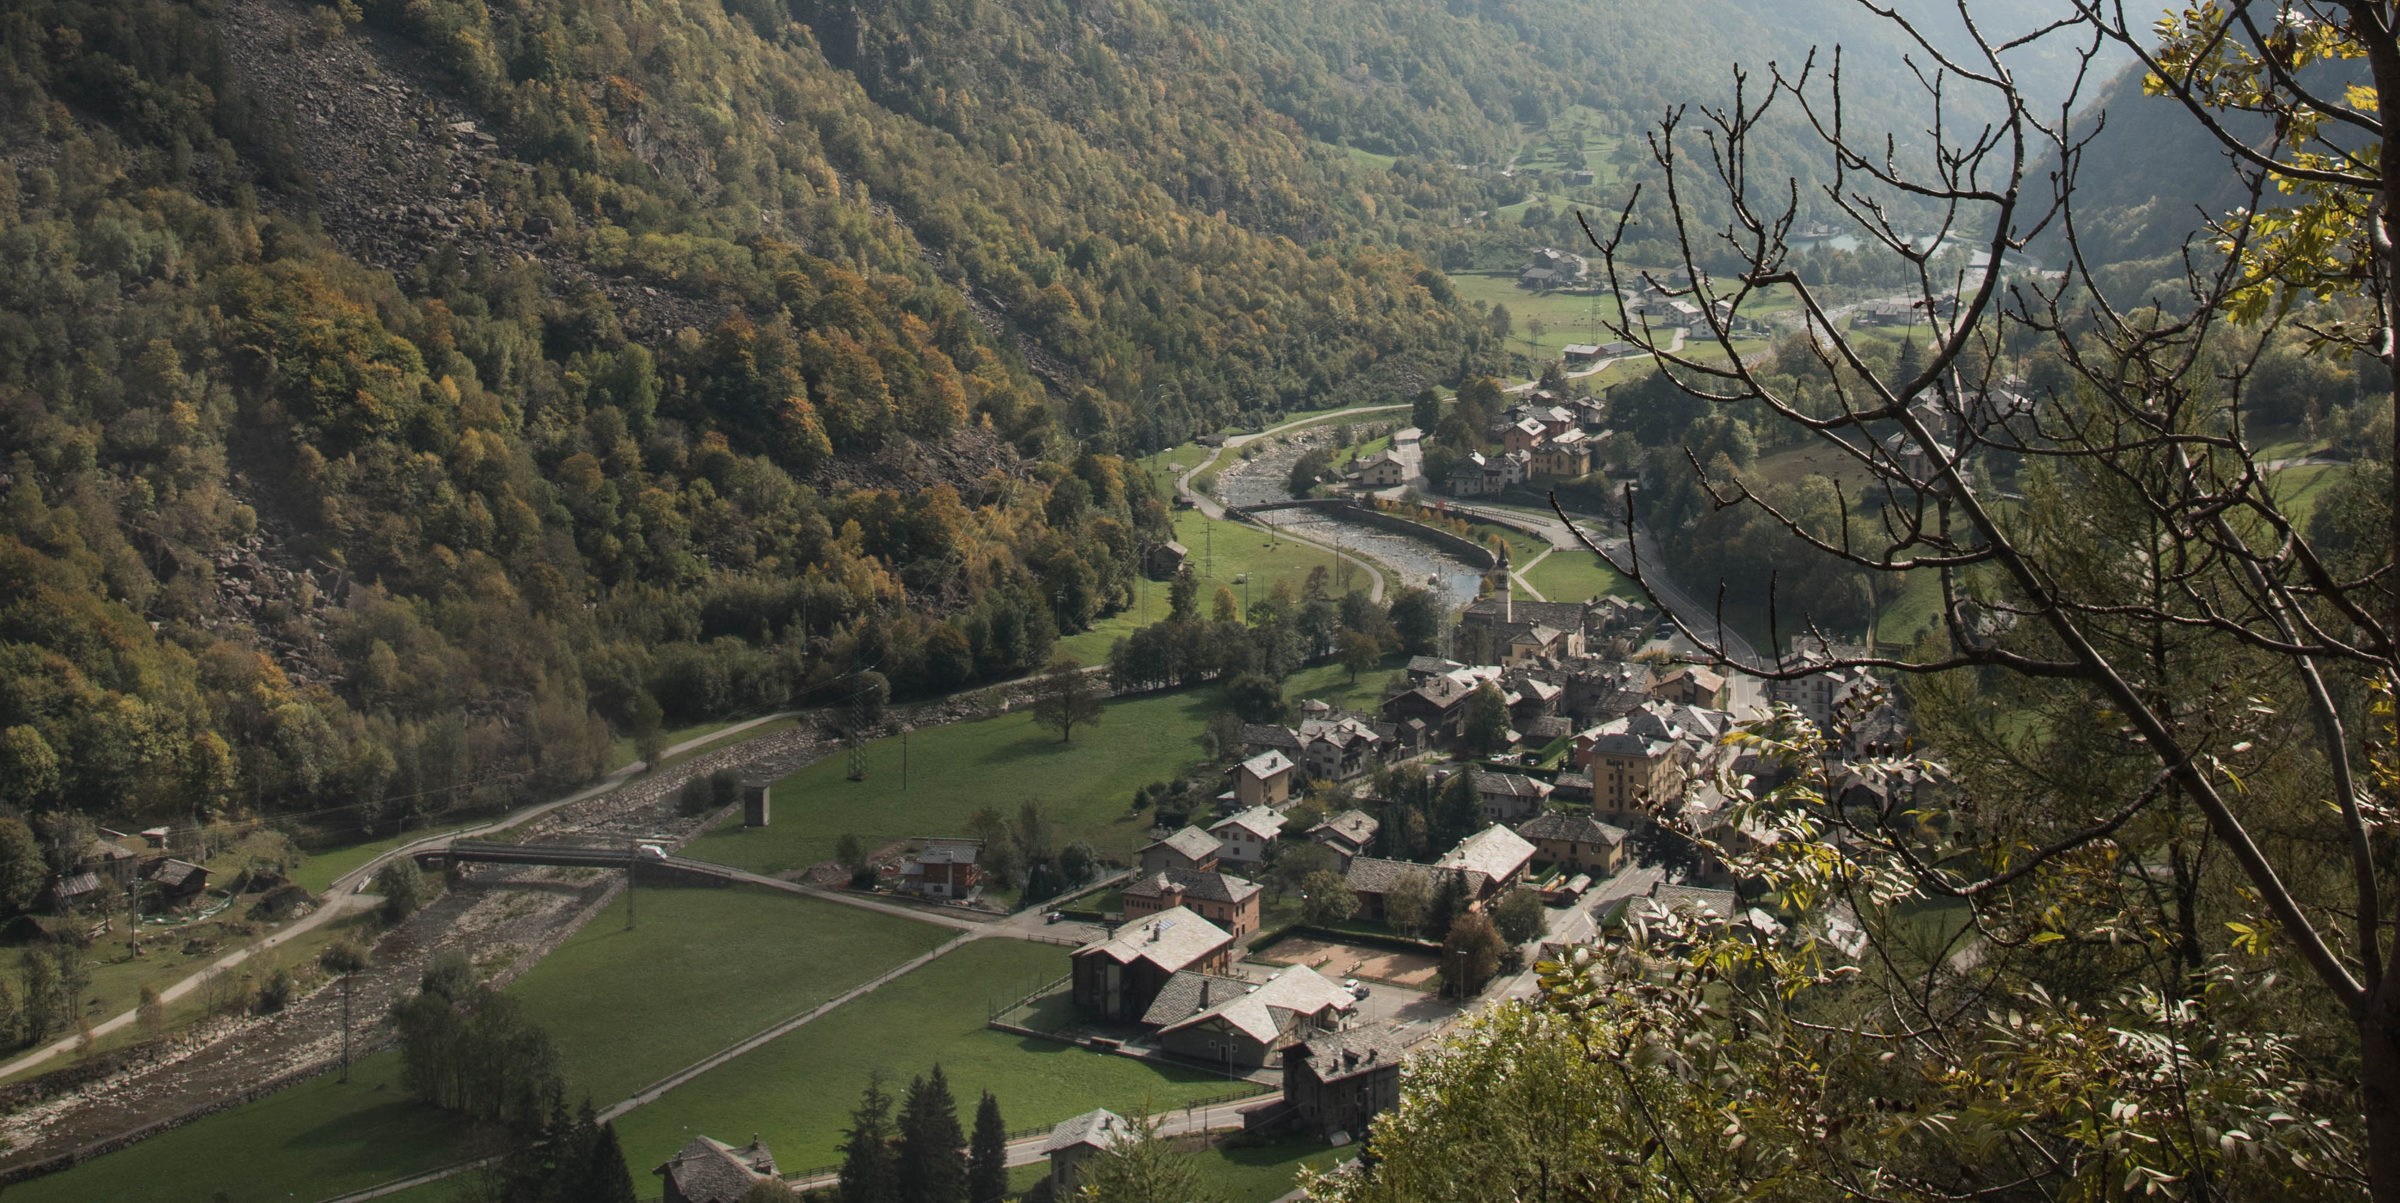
(1221, 898)
(1508, 797)
(1350, 833)
(945, 869)
(1370, 879)
(1163, 560)
(178, 880)
(711, 1171)
(1190, 850)
(1691, 685)
(1340, 1081)
(1245, 837)
(1578, 843)
(1074, 1141)
(1380, 470)
(1494, 854)
(1118, 977)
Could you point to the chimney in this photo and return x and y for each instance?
(1203, 994)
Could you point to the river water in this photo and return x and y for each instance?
(1405, 561)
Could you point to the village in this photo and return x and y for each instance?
(1577, 763)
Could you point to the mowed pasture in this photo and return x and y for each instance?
(1086, 785)
(701, 969)
(797, 1092)
(316, 1140)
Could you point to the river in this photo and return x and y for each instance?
(1408, 561)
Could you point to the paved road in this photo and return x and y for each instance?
(342, 896)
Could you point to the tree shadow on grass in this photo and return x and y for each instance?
(386, 1127)
(1041, 745)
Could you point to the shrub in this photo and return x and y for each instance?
(403, 890)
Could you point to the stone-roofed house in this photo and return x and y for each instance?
(1221, 898)
(1509, 797)
(1579, 843)
(1244, 837)
(1270, 737)
(71, 890)
(944, 869)
(1119, 975)
(1370, 878)
(1191, 850)
(178, 879)
(1264, 780)
(1246, 1028)
(1495, 854)
(1188, 993)
(1340, 1081)
(1692, 685)
(1350, 833)
(1339, 748)
(711, 1171)
(1161, 561)
(1076, 1140)
(1380, 470)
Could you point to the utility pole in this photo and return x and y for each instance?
(630, 864)
(346, 1027)
(858, 733)
(903, 762)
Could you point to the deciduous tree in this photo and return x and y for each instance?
(1066, 697)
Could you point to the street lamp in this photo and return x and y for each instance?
(1243, 580)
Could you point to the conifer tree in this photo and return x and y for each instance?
(867, 1170)
(931, 1168)
(987, 1159)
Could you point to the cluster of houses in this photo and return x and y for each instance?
(1548, 267)
(128, 861)
(1391, 467)
(1545, 436)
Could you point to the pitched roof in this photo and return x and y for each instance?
(711, 1171)
(1353, 826)
(1172, 939)
(1260, 821)
(1494, 852)
(1333, 1056)
(1100, 1128)
(173, 873)
(1208, 887)
(1188, 993)
(1191, 842)
(1267, 764)
(1511, 785)
(1579, 828)
(1374, 875)
(1269, 735)
(1263, 1013)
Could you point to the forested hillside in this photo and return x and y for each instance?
(403, 400)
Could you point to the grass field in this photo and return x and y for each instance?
(702, 969)
(955, 770)
(1220, 553)
(1577, 575)
(315, 1140)
(1565, 319)
(1245, 1173)
(797, 1092)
